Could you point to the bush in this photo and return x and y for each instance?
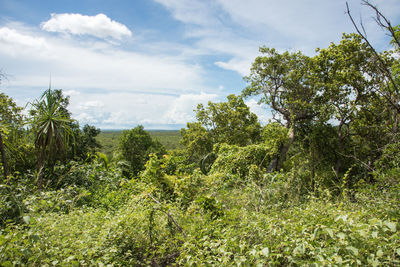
(235, 160)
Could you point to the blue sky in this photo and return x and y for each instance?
(150, 62)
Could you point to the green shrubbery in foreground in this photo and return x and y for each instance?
(195, 219)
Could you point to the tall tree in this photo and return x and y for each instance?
(283, 82)
(388, 69)
(51, 125)
(348, 79)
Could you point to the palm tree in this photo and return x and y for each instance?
(51, 123)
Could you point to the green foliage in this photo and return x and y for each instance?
(12, 195)
(196, 140)
(136, 145)
(85, 142)
(238, 161)
(51, 124)
(283, 82)
(228, 122)
(16, 152)
(155, 177)
(108, 139)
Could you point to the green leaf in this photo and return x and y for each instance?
(329, 231)
(353, 250)
(265, 251)
(342, 217)
(363, 233)
(391, 225)
(26, 219)
(341, 235)
(252, 252)
(374, 234)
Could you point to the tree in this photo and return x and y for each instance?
(230, 122)
(388, 69)
(136, 145)
(283, 82)
(11, 121)
(196, 140)
(51, 126)
(348, 79)
(85, 141)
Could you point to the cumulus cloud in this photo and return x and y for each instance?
(70, 92)
(91, 105)
(126, 110)
(103, 67)
(99, 26)
(182, 108)
(13, 37)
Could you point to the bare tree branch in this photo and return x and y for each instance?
(386, 25)
(169, 215)
(382, 66)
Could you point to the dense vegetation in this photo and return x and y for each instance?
(318, 185)
(108, 139)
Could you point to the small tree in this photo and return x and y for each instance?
(136, 145)
(51, 125)
(11, 121)
(85, 142)
(229, 122)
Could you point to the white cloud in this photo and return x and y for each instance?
(99, 26)
(11, 37)
(108, 86)
(182, 108)
(126, 110)
(70, 93)
(239, 27)
(263, 113)
(192, 11)
(91, 105)
(240, 65)
(75, 66)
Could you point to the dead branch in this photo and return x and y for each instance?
(382, 66)
(169, 215)
(384, 25)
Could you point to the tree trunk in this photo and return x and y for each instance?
(285, 149)
(277, 162)
(40, 173)
(338, 164)
(4, 159)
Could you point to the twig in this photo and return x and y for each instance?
(382, 64)
(169, 215)
(357, 159)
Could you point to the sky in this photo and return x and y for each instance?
(125, 63)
